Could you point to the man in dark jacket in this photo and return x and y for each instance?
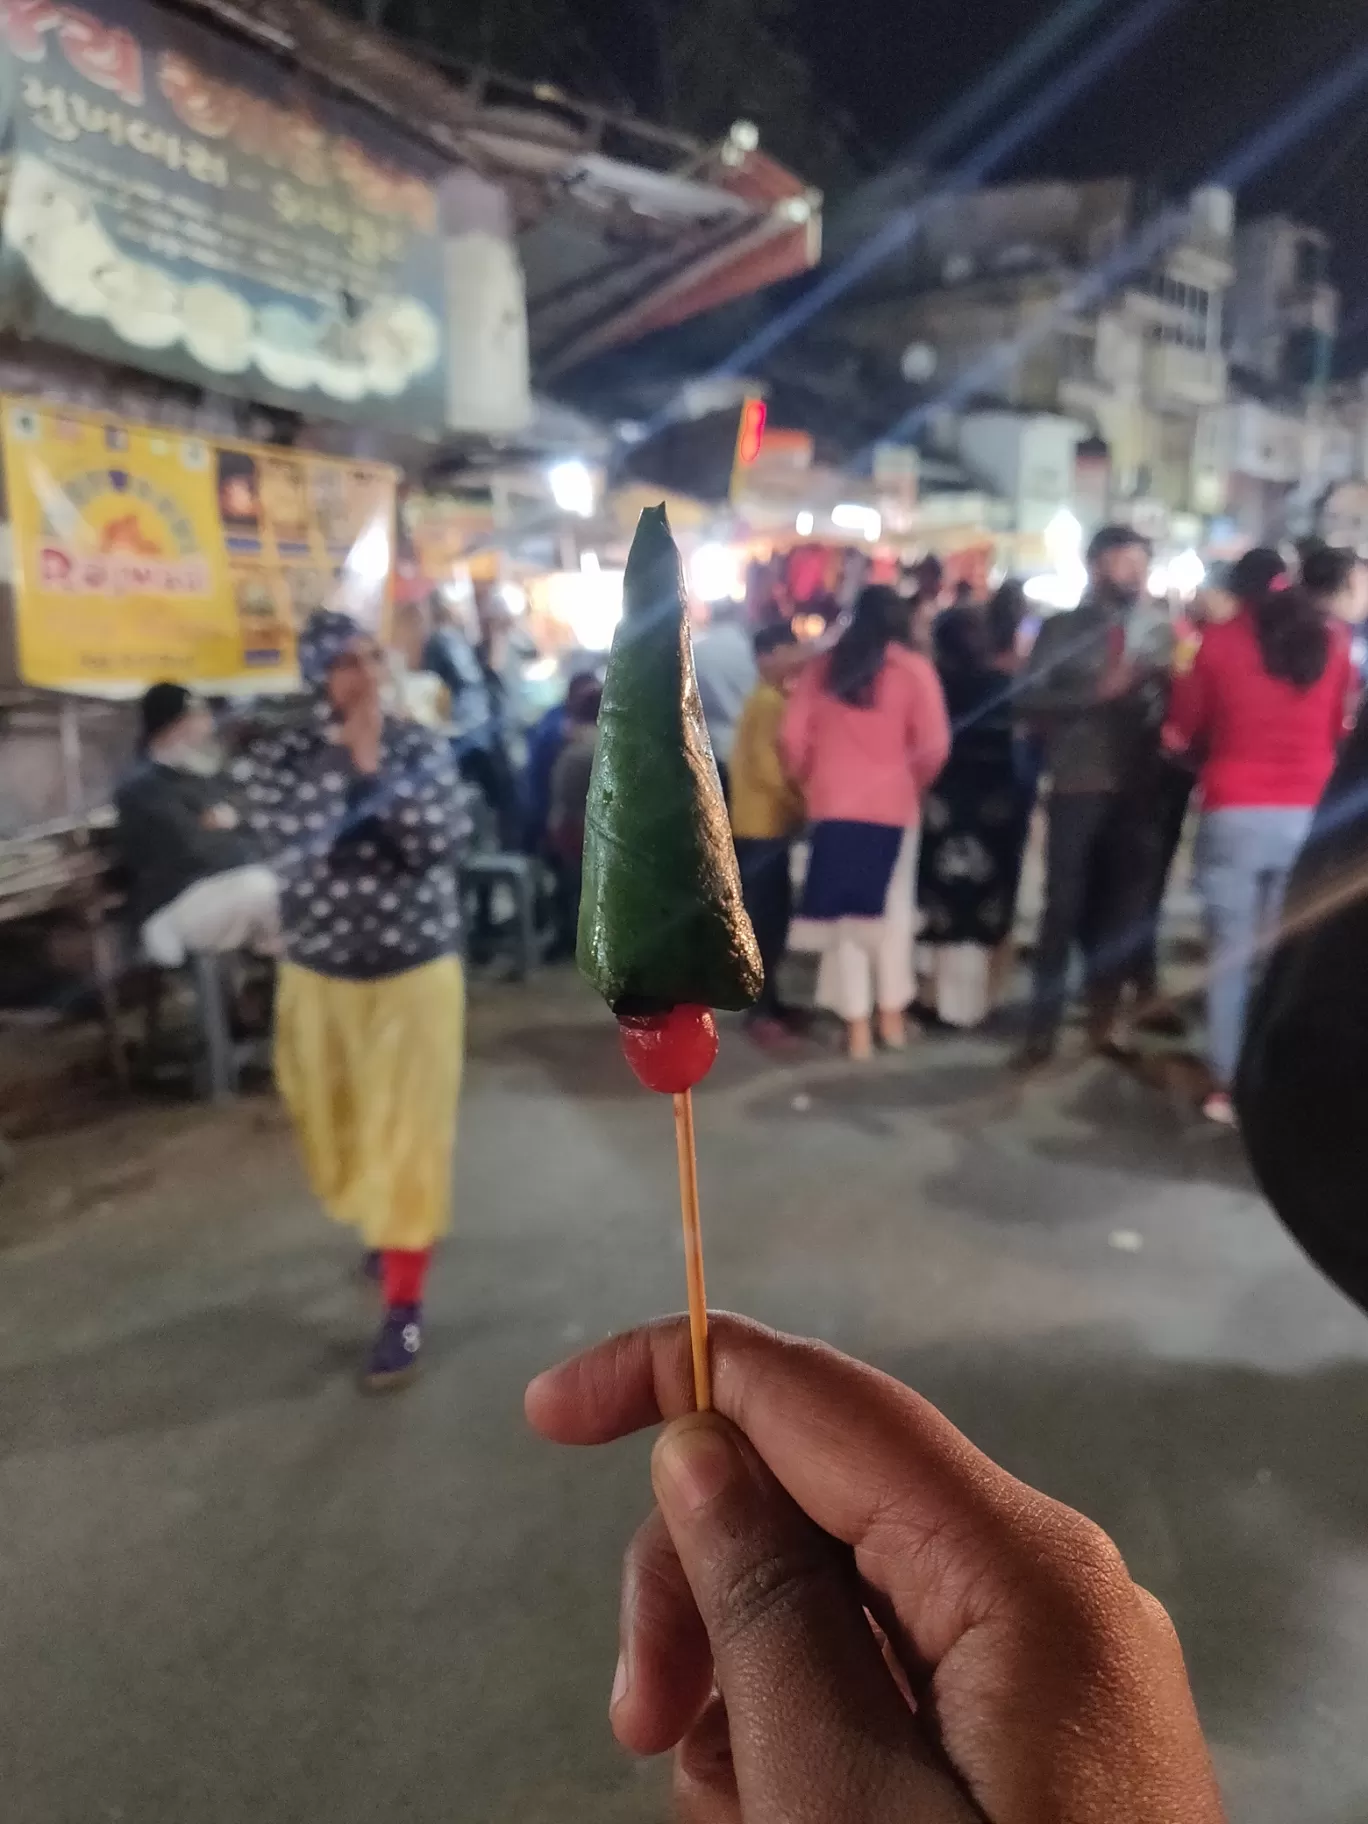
(478, 716)
(1301, 1091)
(1096, 687)
(197, 879)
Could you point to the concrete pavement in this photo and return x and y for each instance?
(233, 1590)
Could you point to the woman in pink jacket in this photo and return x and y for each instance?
(864, 734)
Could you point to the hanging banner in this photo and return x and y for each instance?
(182, 203)
(142, 554)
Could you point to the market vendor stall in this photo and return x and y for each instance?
(142, 554)
(55, 859)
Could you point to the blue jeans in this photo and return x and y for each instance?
(1244, 857)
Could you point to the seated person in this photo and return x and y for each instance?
(569, 798)
(544, 744)
(198, 880)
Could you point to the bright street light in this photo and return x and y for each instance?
(1186, 573)
(1063, 538)
(572, 488)
(850, 517)
(716, 575)
(1053, 589)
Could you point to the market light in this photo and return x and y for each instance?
(368, 561)
(1063, 538)
(803, 525)
(589, 563)
(1063, 586)
(572, 488)
(851, 517)
(716, 575)
(1159, 579)
(1055, 589)
(741, 141)
(750, 431)
(1187, 573)
(595, 609)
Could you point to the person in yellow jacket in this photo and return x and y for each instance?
(766, 814)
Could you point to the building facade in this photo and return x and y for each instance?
(1284, 312)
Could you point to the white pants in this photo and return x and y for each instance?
(867, 962)
(236, 910)
(958, 982)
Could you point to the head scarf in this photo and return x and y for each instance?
(326, 636)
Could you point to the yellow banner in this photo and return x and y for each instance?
(444, 533)
(142, 554)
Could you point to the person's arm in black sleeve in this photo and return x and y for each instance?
(1302, 1085)
(417, 804)
(437, 659)
(160, 824)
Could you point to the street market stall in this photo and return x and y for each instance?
(141, 554)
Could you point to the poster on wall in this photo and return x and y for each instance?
(142, 553)
(184, 204)
(445, 540)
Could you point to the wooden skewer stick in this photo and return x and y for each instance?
(693, 1249)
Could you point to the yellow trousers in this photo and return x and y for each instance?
(371, 1075)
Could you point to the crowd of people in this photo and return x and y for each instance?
(882, 785)
(907, 757)
(1057, 1686)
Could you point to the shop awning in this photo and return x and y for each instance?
(624, 227)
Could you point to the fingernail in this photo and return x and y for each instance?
(694, 1462)
(619, 1682)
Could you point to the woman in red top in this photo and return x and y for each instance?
(1263, 710)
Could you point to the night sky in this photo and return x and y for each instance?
(1212, 73)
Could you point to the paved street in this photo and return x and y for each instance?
(233, 1590)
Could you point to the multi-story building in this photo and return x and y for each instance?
(1183, 360)
(1285, 437)
(1066, 300)
(1284, 312)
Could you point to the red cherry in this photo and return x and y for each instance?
(670, 1052)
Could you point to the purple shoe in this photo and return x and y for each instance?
(394, 1356)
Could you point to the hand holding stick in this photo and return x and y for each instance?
(663, 931)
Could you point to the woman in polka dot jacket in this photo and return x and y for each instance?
(364, 817)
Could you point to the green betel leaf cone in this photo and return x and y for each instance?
(661, 920)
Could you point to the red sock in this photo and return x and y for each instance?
(405, 1269)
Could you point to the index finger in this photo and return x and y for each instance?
(935, 1524)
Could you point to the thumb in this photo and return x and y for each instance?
(818, 1728)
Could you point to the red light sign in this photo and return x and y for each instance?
(751, 431)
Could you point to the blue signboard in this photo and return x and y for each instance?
(183, 204)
